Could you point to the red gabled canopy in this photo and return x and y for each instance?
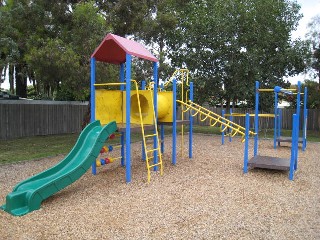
(113, 50)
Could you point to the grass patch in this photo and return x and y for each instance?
(30, 148)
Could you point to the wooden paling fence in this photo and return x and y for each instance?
(313, 121)
(25, 118)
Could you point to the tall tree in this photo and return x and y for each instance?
(314, 37)
(230, 44)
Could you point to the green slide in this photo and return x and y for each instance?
(28, 194)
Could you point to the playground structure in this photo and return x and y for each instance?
(259, 161)
(123, 111)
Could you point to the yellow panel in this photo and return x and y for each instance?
(145, 97)
(108, 105)
(165, 105)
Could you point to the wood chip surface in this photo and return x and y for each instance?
(207, 197)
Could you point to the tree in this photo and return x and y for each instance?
(314, 37)
(230, 44)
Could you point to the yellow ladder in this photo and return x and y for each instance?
(149, 148)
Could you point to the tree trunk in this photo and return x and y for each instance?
(11, 78)
(21, 81)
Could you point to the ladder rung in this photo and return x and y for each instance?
(156, 164)
(152, 150)
(150, 158)
(151, 135)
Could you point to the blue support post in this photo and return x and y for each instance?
(174, 122)
(122, 137)
(275, 120)
(128, 108)
(122, 149)
(162, 137)
(92, 103)
(256, 120)
(222, 133)
(279, 125)
(246, 144)
(305, 118)
(190, 121)
(293, 147)
(143, 87)
(155, 102)
(298, 105)
(231, 119)
(122, 76)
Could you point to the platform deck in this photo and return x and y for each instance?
(134, 128)
(179, 122)
(269, 163)
(288, 139)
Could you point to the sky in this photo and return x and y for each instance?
(309, 9)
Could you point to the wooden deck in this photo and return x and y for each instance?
(179, 122)
(288, 139)
(269, 163)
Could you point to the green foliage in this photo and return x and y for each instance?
(314, 37)
(313, 101)
(230, 44)
(227, 45)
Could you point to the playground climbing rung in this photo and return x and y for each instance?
(224, 123)
(151, 135)
(152, 150)
(154, 165)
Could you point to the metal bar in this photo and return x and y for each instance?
(256, 120)
(190, 121)
(174, 123)
(92, 102)
(246, 145)
(128, 108)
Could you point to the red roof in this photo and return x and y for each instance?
(113, 49)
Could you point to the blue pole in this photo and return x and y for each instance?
(174, 122)
(162, 137)
(128, 107)
(246, 144)
(279, 125)
(298, 105)
(222, 133)
(275, 120)
(143, 87)
(122, 137)
(231, 119)
(293, 146)
(155, 102)
(122, 149)
(256, 120)
(190, 121)
(122, 76)
(305, 118)
(92, 103)
(92, 89)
